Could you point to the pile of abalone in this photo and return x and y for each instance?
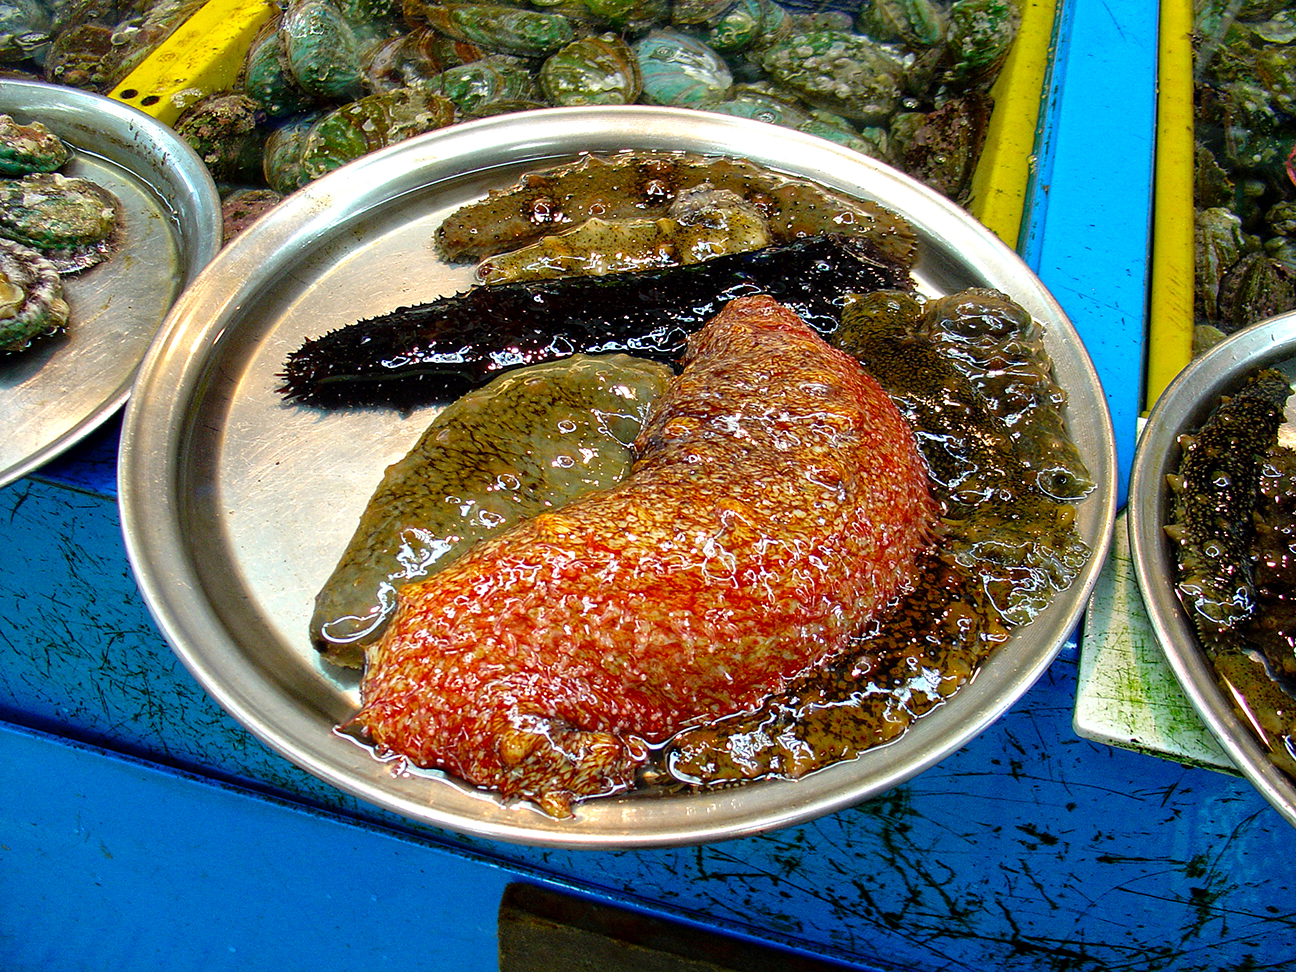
(1244, 187)
(327, 80)
(51, 225)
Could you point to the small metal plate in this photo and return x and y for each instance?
(236, 506)
(1183, 407)
(57, 391)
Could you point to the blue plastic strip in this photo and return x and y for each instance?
(1088, 233)
(109, 862)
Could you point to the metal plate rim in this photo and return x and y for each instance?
(1184, 404)
(196, 205)
(154, 416)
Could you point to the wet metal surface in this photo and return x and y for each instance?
(58, 391)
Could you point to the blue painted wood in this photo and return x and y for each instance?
(1030, 848)
(91, 464)
(109, 865)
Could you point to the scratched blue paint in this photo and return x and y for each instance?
(1028, 849)
(91, 465)
(127, 865)
(81, 654)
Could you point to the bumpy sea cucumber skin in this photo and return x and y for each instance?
(778, 502)
(427, 353)
(1212, 511)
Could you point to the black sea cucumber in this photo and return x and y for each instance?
(437, 351)
(1232, 533)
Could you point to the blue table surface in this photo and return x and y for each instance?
(141, 827)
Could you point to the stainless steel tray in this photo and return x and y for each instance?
(1182, 407)
(236, 506)
(58, 391)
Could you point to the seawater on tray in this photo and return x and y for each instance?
(59, 390)
(250, 501)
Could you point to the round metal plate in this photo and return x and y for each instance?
(1183, 407)
(236, 506)
(58, 391)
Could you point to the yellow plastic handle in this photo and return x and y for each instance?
(1170, 305)
(998, 196)
(203, 57)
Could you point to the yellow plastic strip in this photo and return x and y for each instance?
(202, 57)
(998, 196)
(1170, 311)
